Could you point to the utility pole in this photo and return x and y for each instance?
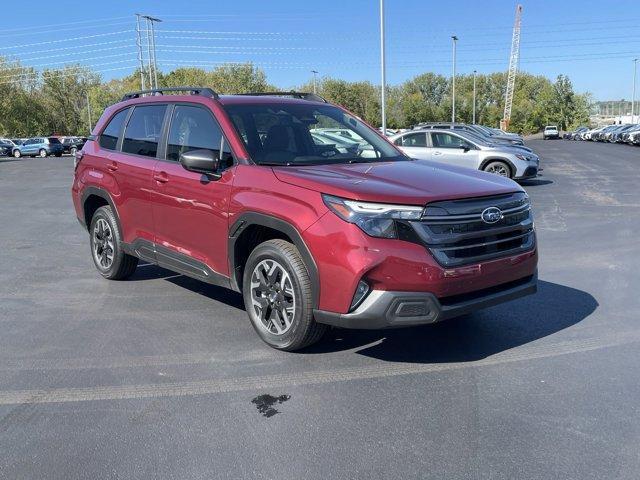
(474, 98)
(151, 49)
(86, 94)
(633, 97)
(315, 83)
(383, 71)
(454, 39)
(139, 45)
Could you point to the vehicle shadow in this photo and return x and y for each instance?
(535, 182)
(470, 337)
(148, 271)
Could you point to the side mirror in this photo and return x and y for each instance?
(465, 148)
(200, 161)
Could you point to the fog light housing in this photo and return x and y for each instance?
(361, 292)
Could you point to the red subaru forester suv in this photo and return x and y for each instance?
(301, 206)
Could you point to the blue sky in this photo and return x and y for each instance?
(340, 38)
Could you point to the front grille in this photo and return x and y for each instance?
(456, 235)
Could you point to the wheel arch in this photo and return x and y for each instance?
(512, 167)
(252, 228)
(94, 198)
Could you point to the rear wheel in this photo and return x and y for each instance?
(278, 296)
(73, 151)
(16, 153)
(499, 168)
(42, 153)
(106, 246)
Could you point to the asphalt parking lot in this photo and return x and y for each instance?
(163, 377)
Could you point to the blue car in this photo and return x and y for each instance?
(39, 146)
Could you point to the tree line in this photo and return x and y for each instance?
(68, 100)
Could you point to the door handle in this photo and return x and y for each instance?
(161, 177)
(437, 153)
(113, 166)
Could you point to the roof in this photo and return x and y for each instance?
(263, 99)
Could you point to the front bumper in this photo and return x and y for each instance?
(387, 309)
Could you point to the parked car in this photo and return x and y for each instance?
(550, 131)
(463, 149)
(72, 144)
(577, 133)
(310, 238)
(477, 129)
(39, 146)
(6, 147)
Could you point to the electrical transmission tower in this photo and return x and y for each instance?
(513, 69)
(152, 70)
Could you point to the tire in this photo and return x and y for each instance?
(121, 264)
(17, 153)
(73, 151)
(498, 167)
(263, 293)
(42, 153)
(58, 154)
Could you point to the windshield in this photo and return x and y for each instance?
(307, 134)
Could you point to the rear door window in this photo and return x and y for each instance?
(111, 133)
(414, 140)
(142, 134)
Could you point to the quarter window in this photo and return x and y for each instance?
(143, 130)
(194, 128)
(109, 136)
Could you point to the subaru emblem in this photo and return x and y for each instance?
(491, 215)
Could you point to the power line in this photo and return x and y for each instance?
(68, 39)
(10, 30)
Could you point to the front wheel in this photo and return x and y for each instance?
(278, 296)
(499, 168)
(42, 153)
(17, 154)
(106, 246)
(73, 151)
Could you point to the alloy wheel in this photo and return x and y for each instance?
(103, 247)
(498, 170)
(272, 296)
(42, 153)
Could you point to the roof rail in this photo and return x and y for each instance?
(302, 95)
(204, 91)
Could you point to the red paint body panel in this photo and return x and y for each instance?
(345, 254)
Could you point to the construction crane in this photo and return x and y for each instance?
(513, 69)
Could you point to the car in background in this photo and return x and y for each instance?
(6, 147)
(476, 129)
(462, 149)
(40, 147)
(550, 131)
(72, 144)
(576, 134)
(599, 136)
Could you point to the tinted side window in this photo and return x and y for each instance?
(194, 128)
(414, 140)
(109, 136)
(142, 133)
(444, 140)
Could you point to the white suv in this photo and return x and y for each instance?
(550, 131)
(461, 148)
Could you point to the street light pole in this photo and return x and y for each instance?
(474, 98)
(633, 97)
(383, 71)
(315, 85)
(454, 39)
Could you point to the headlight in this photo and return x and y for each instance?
(523, 157)
(375, 219)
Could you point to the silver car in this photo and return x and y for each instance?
(467, 150)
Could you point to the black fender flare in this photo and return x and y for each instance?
(499, 159)
(99, 192)
(254, 218)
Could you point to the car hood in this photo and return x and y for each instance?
(512, 149)
(405, 182)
